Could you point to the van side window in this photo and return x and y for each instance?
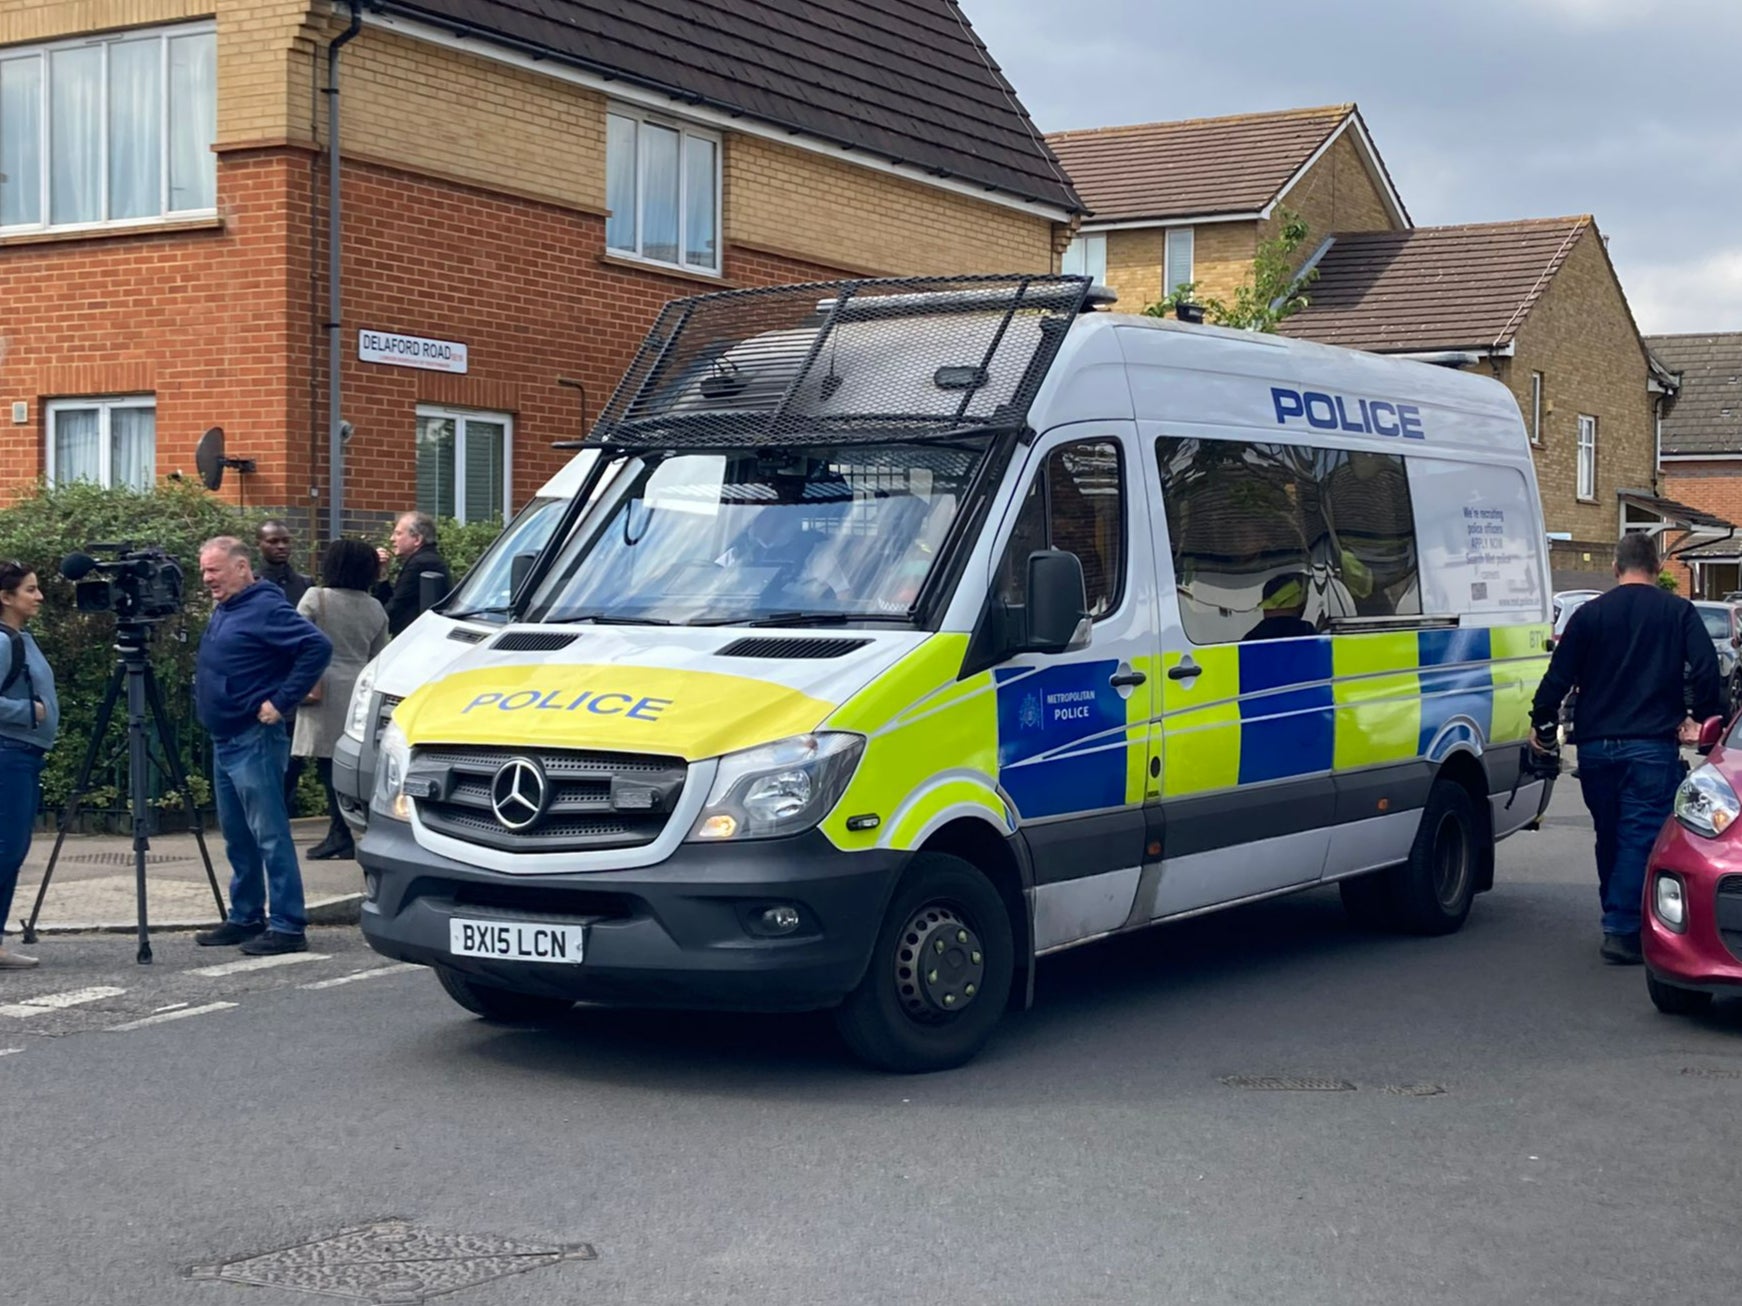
(1275, 541)
(1076, 503)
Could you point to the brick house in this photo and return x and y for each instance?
(1535, 304)
(1701, 443)
(523, 185)
(1177, 202)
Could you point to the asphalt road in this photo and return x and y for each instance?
(1554, 1140)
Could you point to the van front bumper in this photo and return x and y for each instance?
(683, 933)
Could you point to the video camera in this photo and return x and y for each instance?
(136, 585)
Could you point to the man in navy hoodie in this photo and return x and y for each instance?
(258, 659)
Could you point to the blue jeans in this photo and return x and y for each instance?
(20, 794)
(251, 812)
(1629, 787)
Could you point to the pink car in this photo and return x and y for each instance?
(1692, 928)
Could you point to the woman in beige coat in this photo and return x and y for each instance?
(356, 622)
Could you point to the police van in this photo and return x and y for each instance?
(473, 613)
(925, 628)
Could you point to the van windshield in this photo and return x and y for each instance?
(792, 536)
(483, 594)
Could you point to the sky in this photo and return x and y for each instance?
(1483, 110)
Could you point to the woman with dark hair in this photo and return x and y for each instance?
(355, 621)
(29, 717)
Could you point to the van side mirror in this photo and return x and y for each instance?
(1711, 731)
(1058, 601)
(518, 570)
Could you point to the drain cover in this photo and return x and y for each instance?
(1712, 1072)
(1415, 1090)
(1289, 1083)
(393, 1262)
(124, 859)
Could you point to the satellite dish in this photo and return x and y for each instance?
(209, 459)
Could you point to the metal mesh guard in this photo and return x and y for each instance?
(842, 362)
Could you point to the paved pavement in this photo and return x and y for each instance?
(93, 885)
(1493, 1117)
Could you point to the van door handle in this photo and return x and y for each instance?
(1123, 679)
(1186, 670)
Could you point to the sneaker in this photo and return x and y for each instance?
(1622, 950)
(228, 935)
(273, 944)
(16, 961)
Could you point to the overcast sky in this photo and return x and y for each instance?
(1483, 110)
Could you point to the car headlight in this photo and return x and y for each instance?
(1706, 803)
(357, 714)
(779, 788)
(390, 768)
(1669, 899)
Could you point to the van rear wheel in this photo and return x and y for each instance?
(493, 1003)
(1430, 893)
(940, 972)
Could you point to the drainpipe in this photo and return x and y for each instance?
(335, 440)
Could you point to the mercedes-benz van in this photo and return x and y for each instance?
(925, 628)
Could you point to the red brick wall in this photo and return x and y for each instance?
(1714, 487)
(226, 326)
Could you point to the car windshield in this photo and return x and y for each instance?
(484, 592)
(1717, 620)
(787, 536)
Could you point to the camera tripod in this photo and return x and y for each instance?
(133, 670)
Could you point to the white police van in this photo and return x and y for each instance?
(474, 612)
(923, 628)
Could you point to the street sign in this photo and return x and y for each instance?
(411, 351)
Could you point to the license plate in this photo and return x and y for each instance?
(516, 940)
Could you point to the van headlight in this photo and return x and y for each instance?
(779, 788)
(390, 768)
(1706, 803)
(357, 714)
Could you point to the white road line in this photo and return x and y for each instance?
(173, 1006)
(399, 969)
(56, 1001)
(171, 1015)
(6, 1052)
(259, 963)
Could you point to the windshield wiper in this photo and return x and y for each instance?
(802, 619)
(494, 610)
(608, 619)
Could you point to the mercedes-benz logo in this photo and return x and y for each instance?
(519, 792)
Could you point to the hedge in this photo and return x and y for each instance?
(48, 523)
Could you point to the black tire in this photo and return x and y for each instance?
(1430, 893)
(895, 1019)
(500, 1004)
(1672, 1000)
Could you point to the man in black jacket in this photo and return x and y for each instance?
(1632, 653)
(273, 541)
(414, 544)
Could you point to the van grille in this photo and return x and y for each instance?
(588, 800)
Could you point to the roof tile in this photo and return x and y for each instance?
(1705, 417)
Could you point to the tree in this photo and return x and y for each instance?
(1272, 293)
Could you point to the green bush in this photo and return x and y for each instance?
(50, 522)
(461, 543)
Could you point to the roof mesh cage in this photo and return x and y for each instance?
(842, 362)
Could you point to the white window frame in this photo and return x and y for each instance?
(1586, 488)
(1536, 407)
(460, 417)
(687, 131)
(1186, 236)
(45, 198)
(1088, 248)
(105, 405)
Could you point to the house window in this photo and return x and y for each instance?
(463, 463)
(662, 185)
(1179, 272)
(1587, 457)
(112, 442)
(110, 131)
(1536, 407)
(1087, 257)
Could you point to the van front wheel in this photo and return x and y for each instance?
(940, 973)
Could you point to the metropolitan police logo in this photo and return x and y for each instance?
(1032, 714)
(519, 793)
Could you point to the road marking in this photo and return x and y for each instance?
(57, 1001)
(173, 1006)
(171, 1015)
(6, 1052)
(399, 969)
(259, 963)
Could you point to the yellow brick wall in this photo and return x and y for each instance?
(1221, 261)
(1338, 193)
(1581, 337)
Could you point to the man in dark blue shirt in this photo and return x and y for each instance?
(258, 659)
(1632, 653)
